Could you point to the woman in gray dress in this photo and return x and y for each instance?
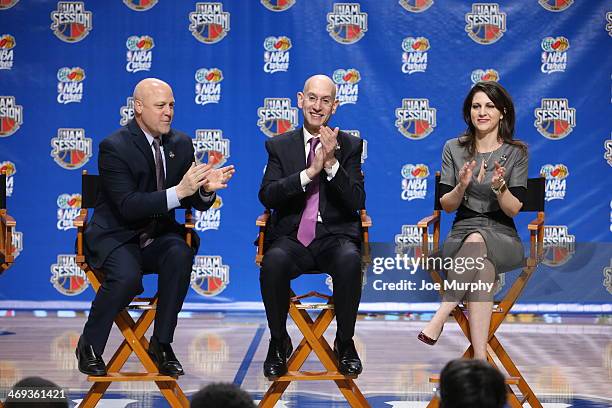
(483, 178)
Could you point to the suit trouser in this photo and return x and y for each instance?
(168, 256)
(287, 258)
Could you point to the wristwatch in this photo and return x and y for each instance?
(499, 190)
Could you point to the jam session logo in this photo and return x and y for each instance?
(556, 176)
(414, 181)
(555, 5)
(364, 150)
(479, 75)
(211, 218)
(608, 152)
(607, 282)
(7, 4)
(67, 277)
(140, 5)
(410, 241)
(209, 276)
(7, 43)
(17, 243)
(554, 56)
(347, 85)
(276, 55)
(127, 111)
(609, 22)
(415, 119)
(71, 22)
(559, 245)
(277, 116)
(71, 149)
(485, 24)
(8, 168)
(554, 118)
(208, 85)
(414, 57)
(209, 23)
(416, 6)
(70, 85)
(211, 147)
(68, 209)
(11, 116)
(278, 5)
(139, 55)
(346, 23)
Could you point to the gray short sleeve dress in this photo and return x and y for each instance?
(504, 247)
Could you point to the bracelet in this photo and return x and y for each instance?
(501, 189)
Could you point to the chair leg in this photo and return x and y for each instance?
(274, 393)
(352, 393)
(434, 403)
(94, 395)
(173, 394)
(513, 371)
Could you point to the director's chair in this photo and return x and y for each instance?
(7, 229)
(534, 202)
(133, 332)
(313, 332)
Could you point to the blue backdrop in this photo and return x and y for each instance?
(67, 70)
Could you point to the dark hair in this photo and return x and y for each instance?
(221, 395)
(471, 383)
(503, 102)
(30, 383)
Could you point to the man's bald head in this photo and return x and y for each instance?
(148, 85)
(153, 106)
(317, 102)
(320, 80)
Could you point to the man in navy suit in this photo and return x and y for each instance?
(147, 170)
(313, 184)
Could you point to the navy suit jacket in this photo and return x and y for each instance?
(340, 199)
(128, 199)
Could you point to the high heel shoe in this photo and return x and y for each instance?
(428, 340)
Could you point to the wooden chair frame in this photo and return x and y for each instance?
(7, 229)
(500, 309)
(313, 331)
(132, 331)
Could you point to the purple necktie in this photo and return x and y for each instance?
(308, 222)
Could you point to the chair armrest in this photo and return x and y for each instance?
(189, 223)
(533, 225)
(427, 221)
(262, 220)
(7, 220)
(81, 220)
(366, 221)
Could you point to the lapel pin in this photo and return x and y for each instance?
(171, 154)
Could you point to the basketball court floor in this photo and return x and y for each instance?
(567, 359)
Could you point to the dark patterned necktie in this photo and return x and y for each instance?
(159, 164)
(146, 237)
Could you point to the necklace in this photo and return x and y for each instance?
(486, 165)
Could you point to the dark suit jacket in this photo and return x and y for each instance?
(339, 199)
(128, 199)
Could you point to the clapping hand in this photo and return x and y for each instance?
(498, 175)
(466, 172)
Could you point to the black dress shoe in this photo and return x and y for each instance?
(348, 359)
(164, 357)
(276, 360)
(89, 362)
